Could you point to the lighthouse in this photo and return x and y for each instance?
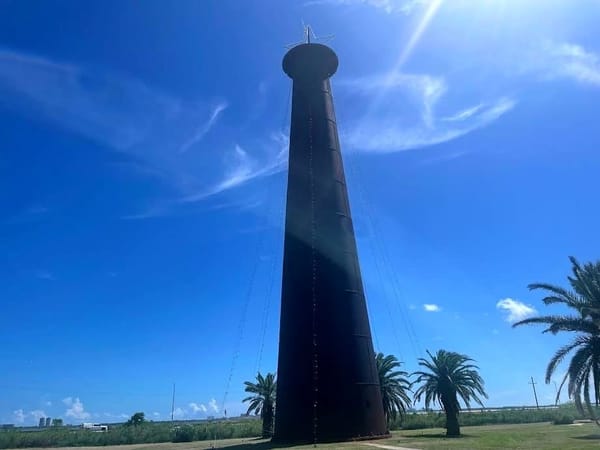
(327, 380)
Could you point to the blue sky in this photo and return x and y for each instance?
(142, 176)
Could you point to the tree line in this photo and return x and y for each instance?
(446, 378)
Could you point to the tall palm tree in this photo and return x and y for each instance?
(263, 400)
(394, 386)
(583, 298)
(450, 376)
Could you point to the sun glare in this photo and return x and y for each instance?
(421, 27)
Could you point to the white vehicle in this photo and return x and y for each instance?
(94, 427)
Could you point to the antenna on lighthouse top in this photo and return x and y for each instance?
(309, 35)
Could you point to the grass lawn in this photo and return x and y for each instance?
(523, 436)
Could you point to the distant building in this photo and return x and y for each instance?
(42, 423)
(48, 421)
(94, 427)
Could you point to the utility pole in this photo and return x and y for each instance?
(173, 403)
(533, 383)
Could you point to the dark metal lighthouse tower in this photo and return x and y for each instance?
(327, 387)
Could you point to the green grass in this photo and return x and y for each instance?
(522, 436)
(538, 436)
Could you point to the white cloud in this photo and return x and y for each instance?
(75, 408)
(196, 408)
(204, 128)
(37, 414)
(19, 416)
(515, 309)
(384, 129)
(213, 405)
(48, 403)
(156, 415)
(179, 412)
(431, 307)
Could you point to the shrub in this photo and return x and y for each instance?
(564, 419)
(147, 432)
(564, 412)
(185, 433)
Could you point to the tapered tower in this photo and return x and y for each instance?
(327, 382)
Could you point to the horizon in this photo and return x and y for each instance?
(143, 173)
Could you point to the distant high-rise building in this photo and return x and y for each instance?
(48, 421)
(42, 422)
(327, 380)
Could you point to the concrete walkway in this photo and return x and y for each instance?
(388, 447)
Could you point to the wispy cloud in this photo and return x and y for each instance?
(213, 405)
(551, 60)
(154, 129)
(75, 408)
(515, 310)
(242, 167)
(116, 111)
(204, 128)
(574, 62)
(29, 214)
(431, 307)
(44, 275)
(464, 114)
(387, 129)
(158, 208)
(388, 6)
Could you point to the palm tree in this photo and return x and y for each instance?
(583, 298)
(394, 386)
(263, 400)
(450, 376)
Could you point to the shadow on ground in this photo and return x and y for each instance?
(589, 437)
(253, 445)
(436, 436)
